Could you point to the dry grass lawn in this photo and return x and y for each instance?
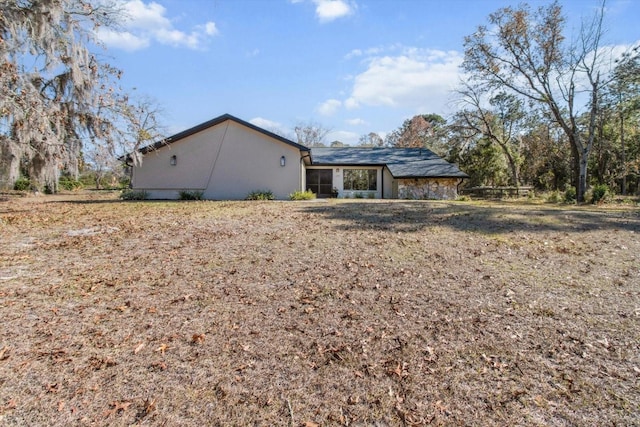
(334, 313)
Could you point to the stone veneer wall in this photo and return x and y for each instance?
(428, 188)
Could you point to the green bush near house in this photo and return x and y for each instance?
(70, 184)
(23, 184)
(302, 195)
(260, 195)
(600, 193)
(190, 195)
(124, 182)
(570, 195)
(134, 195)
(554, 197)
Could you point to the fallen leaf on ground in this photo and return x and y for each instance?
(163, 347)
(116, 408)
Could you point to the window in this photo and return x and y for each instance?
(360, 179)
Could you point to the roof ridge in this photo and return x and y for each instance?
(213, 122)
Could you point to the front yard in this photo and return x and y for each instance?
(339, 312)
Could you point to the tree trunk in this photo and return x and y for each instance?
(582, 177)
(575, 166)
(515, 176)
(36, 171)
(9, 163)
(623, 156)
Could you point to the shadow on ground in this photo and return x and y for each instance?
(417, 215)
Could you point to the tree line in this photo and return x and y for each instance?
(535, 108)
(538, 109)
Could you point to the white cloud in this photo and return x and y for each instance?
(351, 103)
(329, 10)
(355, 122)
(350, 138)
(415, 78)
(329, 107)
(145, 16)
(210, 29)
(353, 54)
(147, 22)
(372, 51)
(270, 125)
(122, 40)
(176, 38)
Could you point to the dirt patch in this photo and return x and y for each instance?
(336, 313)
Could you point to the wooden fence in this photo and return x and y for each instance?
(496, 192)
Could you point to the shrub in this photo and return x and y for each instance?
(124, 182)
(358, 196)
(260, 195)
(463, 199)
(600, 193)
(88, 180)
(134, 195)
(191, 195)
(554, 197)
(70, 184)
(23, 184)
(570, 195)
(302, 195)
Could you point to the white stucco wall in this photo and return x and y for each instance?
(387, 183)
(226, 162)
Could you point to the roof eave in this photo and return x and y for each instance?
(430, 176)
(221, 119)
(349, 164)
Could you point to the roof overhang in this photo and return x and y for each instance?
(214, 122)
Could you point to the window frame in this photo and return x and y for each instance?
(368, 176)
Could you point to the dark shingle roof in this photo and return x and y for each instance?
(401, 162)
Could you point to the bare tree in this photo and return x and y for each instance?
(371, 139)
(498, 122)
(139, 125)
(311, 134)
(525, 52)
(102, 162)
(423, 130)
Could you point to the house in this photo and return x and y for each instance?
(383, 173)
(227, 158)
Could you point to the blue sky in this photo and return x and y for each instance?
(352, 66)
